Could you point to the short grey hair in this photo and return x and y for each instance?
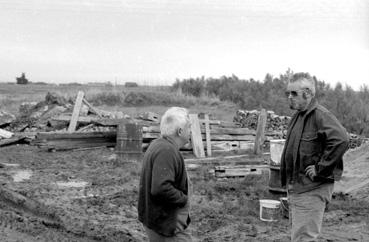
(307, 81)
(173, 119)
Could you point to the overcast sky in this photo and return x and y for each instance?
(154, 42)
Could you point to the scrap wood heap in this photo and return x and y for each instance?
(53, 114)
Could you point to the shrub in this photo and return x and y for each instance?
(107, 98)
(194, 87)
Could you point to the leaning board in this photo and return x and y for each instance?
(196, 139)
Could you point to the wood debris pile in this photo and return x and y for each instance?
(249, 119)
(49, 124)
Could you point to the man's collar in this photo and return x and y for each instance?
(171, 140)
(313, 104)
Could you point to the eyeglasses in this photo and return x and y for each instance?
(292, 93)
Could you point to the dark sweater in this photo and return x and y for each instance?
(163, 186)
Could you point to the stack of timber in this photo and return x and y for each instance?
(223, 137)
(249, 119)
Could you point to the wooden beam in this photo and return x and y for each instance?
(232, 145)
(207, 134)
(239, 171)
(5, 134)
(259, 139)
(94, 110)
(75, 135)
(196, 139)
(86, 128)
(204, 121)
(10, 141)
(247, 158)
(75, 114)
(66, 118)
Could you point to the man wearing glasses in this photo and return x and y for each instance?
(312, 158)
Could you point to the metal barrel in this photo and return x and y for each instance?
(275, 180)
(129, 142)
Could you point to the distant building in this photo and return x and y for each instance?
(131, 84)
(22, 80)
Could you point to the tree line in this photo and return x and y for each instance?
(350, 107)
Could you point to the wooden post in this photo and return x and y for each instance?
(196, 139)
(207, 135)
(259, 139)
(75, 114)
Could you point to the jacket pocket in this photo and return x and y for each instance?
(309, 144)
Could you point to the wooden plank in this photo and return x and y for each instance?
(214, 137)
(259, 139)
(10, 141)
(246, 158)
(108, 121)
(239, 141)
(66, 118)
(76, 110)
(5, 134)
(75, 135)
(207, 134)
(241, 167)
(86, 128)
(204, 121)
(231, 131)
(239, 171)
(232, 145)
(150, 116)
(94, 110)
(196, 139)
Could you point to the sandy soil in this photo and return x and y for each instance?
(88, 196)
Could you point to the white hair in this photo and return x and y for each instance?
(173, 119)
(307, 81)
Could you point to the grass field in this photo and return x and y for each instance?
(131, 101)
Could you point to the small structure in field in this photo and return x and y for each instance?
(22, 80)
(130, 84)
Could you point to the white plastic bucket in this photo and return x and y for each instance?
(276, 149)
(269, 210)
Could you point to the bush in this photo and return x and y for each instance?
(146, 98)
(107, 98)
(194, 87)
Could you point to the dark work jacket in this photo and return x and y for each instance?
(322, 142)
(163, 187)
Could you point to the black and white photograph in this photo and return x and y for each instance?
(184, 120)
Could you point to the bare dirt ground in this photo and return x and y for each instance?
(87, 196)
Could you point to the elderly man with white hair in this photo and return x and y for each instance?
(163, 203)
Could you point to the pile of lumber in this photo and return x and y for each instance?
(249, 119)
(222, 137)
